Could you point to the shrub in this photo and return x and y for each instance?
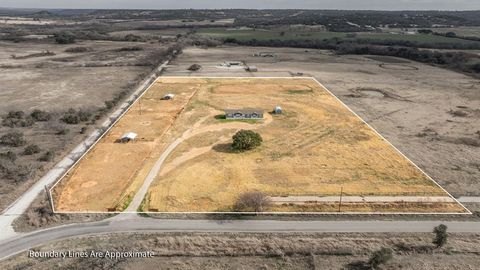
(130, 49)
(63, 131)
(17, 119)
(246, 140)
(31, 149)
(109, 104)
(195, 67)
(64, 37)
(440, 235)
(450, 34)
(77, 50)
(14, 139)
(40, 116)
(380, 257)
(252, 201)
(9, 155)
(83, 116)
(132, 37)
(83, 130)
(70, 119)
(73, 117)
(48, 156)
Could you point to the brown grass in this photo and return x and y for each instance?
(317, 147)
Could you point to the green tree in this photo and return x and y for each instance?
(246, 140)
(380, 257)
(440, 235)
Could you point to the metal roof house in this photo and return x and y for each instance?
(127, 137)
(244, 114)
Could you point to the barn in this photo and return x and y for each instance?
(244, 114)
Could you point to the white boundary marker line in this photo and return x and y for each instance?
(393, 146)
(468, 212)
(95, 143)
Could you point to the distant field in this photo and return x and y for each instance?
(261, 34)
(473, 31)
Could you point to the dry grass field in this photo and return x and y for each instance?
(188, 251)
(315, 148)
(111, 172)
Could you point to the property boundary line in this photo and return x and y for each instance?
(96, 141)
(468, 212)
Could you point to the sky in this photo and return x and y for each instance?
(252, 4)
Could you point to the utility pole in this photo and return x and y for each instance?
(340, 203)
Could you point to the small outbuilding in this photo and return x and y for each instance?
(128, 137)
(277, 110)
(168, 97)
(232, 63)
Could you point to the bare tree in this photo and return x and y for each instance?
(252, 201)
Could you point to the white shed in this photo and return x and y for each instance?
(277, 110)
(129, 136)
(168, 97)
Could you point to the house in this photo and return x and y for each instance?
(127, 137)
(232, 63)
(265, 54)
(277, 110)
(168, 97)
(243, 114)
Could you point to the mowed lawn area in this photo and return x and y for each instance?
(317, 147)
(265, 34)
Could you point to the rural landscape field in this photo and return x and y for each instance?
(316, 147)
(249, 135)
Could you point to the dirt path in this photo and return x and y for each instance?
(194, 131)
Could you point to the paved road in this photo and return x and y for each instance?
(23, 202)
(469, 199)
(132, 223)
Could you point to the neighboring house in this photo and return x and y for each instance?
(127, 137)
(232, 63)
(244, 114)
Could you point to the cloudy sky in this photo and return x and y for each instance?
(256, 4)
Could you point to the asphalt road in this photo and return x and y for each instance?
(122, 223)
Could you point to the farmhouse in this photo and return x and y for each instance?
(244, 114)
